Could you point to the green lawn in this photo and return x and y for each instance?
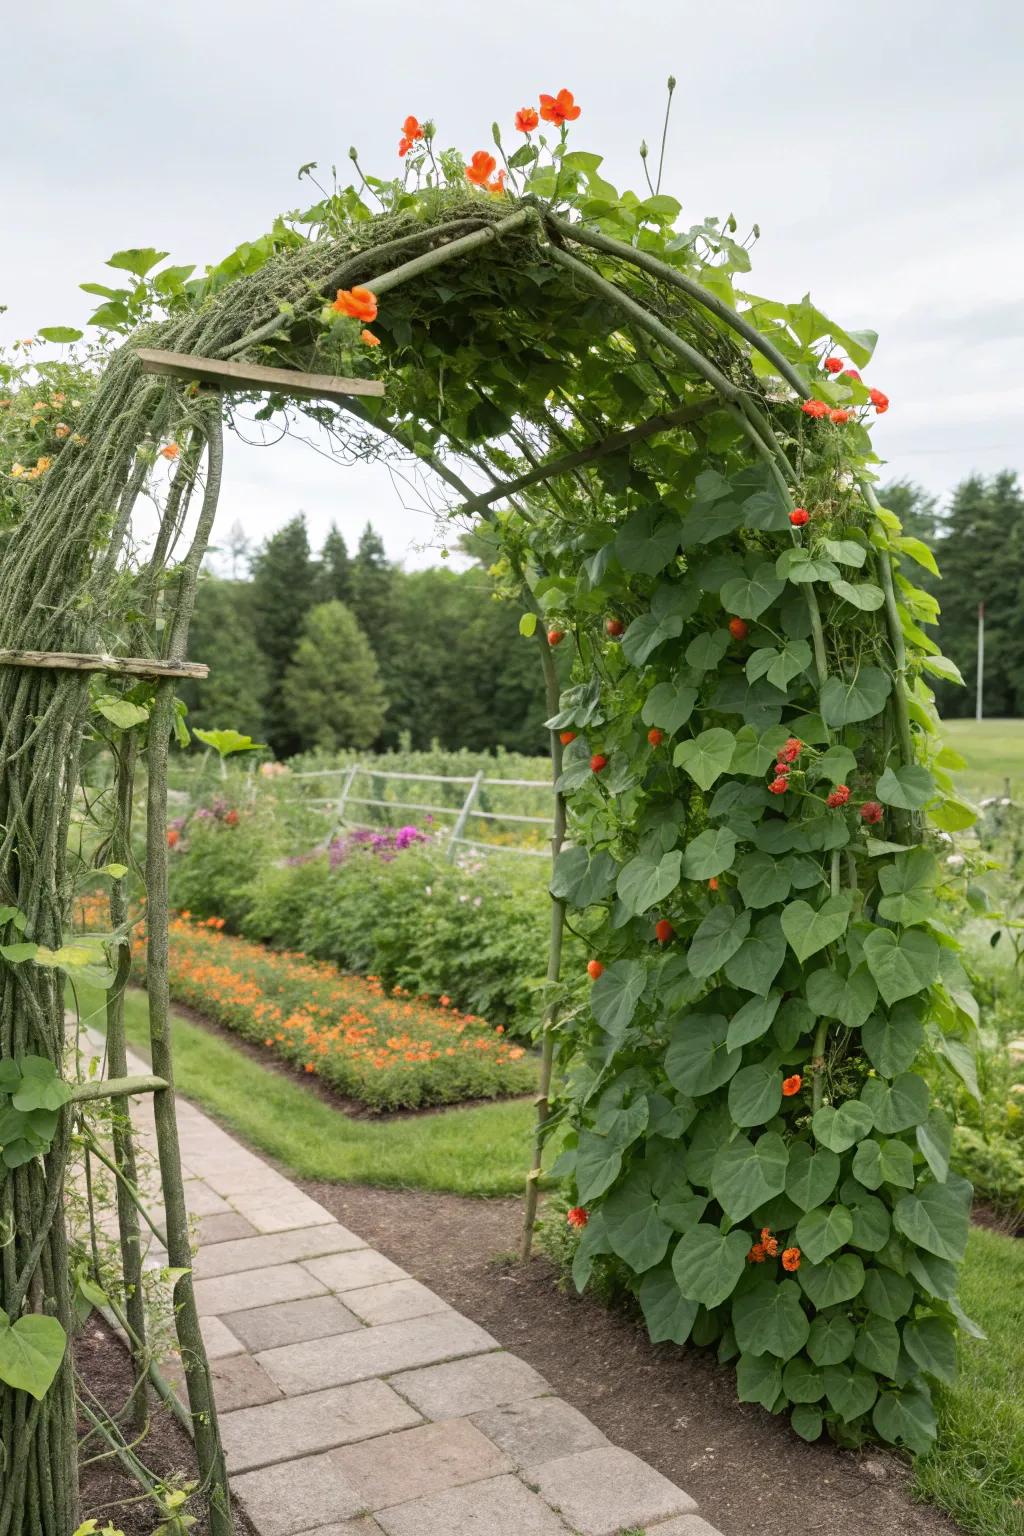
(483, 1150)
(977, 1470)
(994, 750)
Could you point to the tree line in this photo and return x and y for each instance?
(343, 649)
(978, 540)
(350, 650)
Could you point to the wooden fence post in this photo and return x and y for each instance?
(463, 816)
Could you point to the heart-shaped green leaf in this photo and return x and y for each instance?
(707, 1263)
(771, 1320)
(707, 756)
(901, 964)
(746, 1174)
(809, 929)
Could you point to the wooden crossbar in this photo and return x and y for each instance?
(244, 377)
(125, 666)
(116, 1088)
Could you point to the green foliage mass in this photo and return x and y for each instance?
(332, 692)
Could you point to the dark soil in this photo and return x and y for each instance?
(750, 1475)
(108, 1492)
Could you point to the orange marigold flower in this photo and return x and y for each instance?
(771, 1247)
(559, 109)
(815, 408)
(840, 417)
(481, 168)
(757, 1254)
(791, 1259)
(170, 451)
(791, 1085)
(526, 119)
(359, 303)
(369, 339)
(577, 1217)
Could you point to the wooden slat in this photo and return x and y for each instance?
(124, 666)
(244, 377)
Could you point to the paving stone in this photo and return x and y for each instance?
(502, 1506)
(469, 1386)
(365, 1527)
(238, 1382)
(224, 1227)
(685, 1525)
(292, 1322)
(230, 1293)
(539, 1429)
(299, 1495)
(394, 1301)
(201, 1200)
(219, 1339)
(371, 1351)
(396, 1468)
(352, 1271)
(273, 1248)
(603, 1491)
(278, 1214)
(296, 1426)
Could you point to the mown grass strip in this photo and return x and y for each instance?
(483, 1150)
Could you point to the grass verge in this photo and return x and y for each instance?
(483, 1150)
(976, 1469)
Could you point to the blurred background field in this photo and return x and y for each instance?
(994, 750)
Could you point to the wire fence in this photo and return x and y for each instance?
(473, 798)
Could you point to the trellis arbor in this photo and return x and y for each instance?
(678, 480)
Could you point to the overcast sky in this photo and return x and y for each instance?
(877, 144)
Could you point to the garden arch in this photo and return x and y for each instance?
(681, 490)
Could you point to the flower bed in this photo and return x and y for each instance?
(388, 1049)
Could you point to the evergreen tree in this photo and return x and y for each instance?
(334, 574)
(981, 557)
(223, 634)
(282, 594)
(372, 586)
(332, 690)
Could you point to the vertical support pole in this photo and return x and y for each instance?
(554, 969)
(117, 1066)
(463, 816)
(980, 693)
(209, 1456)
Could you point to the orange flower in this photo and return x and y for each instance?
(791, 1259)
(359, 303)
(309, 1067)
(771, 1246)
(526, 119)
(757, 1254)
(497, 186)
(411, 128)
(171, 451)
(481, 168)
(173, 837)
(404, 146)
(559, 109)
(369, 339)
(577, 1217)
(62, 429)
(791, 1085)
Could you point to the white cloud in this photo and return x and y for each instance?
(875, 147)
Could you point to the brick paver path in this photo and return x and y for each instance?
(355, 1402)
